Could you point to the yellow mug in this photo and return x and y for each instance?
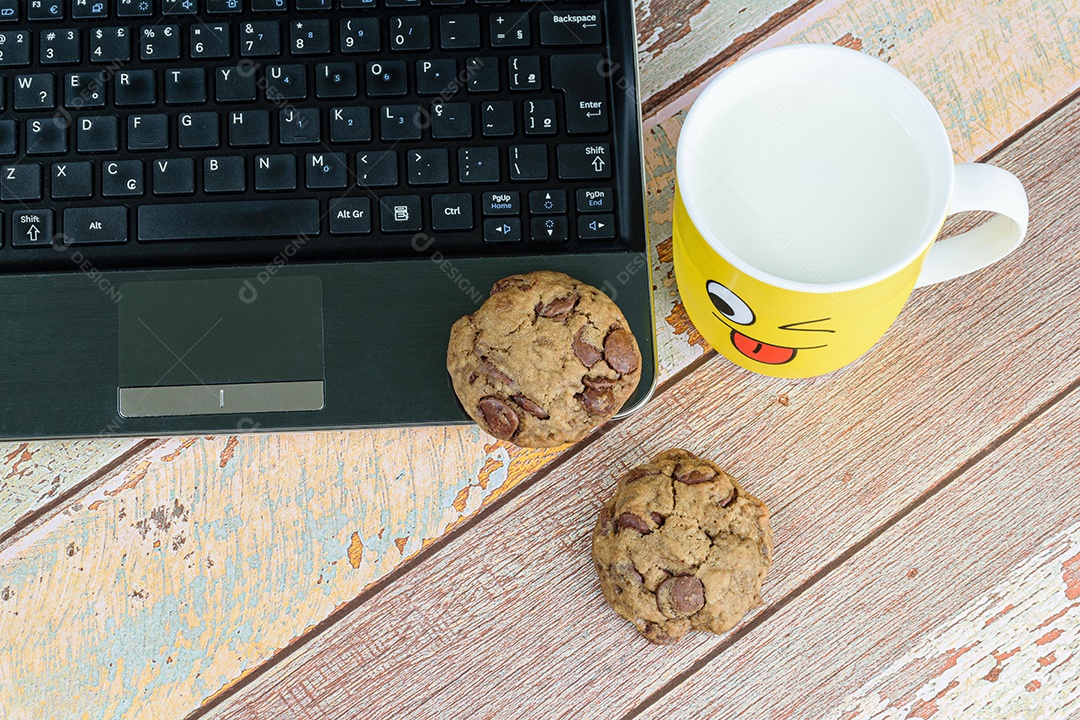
(812, 182)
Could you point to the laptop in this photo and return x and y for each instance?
(265, 215)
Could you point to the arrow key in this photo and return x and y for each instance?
(547, 202)
(596, 227)
(31, 228)
(550, 229)
(502, 230)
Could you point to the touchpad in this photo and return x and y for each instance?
(222, 346)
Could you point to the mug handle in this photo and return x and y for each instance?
(979, 187)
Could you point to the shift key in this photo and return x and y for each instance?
(584, 161)
(96, 225)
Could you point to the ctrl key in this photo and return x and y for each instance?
(31, 228)
(96, 225)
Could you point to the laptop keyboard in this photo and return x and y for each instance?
(163, 133)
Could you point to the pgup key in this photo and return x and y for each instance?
(583, 82)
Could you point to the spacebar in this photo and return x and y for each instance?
(229, 220)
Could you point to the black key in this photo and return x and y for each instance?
(326, 170)
(96, 225)
(269, 5)
(135, 88)
(540, 117)
(402, 3)
(585, 161)
(593, 200)
(229, 220)
(35, 92)
(502, 203)
(451, 121)
(260, 39)
(234, 84)
(585, 90)
(528, 162)
(3, 92)
(9, 11)
(275, 173)
(89, 9)
(401, 213)
(547, 202)
(483, 74)
(350, 216)
(31, 228)
(596, 227)
(510, 29)
(436, 77)
(378, 168)
(16, 48)
(146, 133)
(309, 37)
(210, 40)
(46, 136)
(135, 8)
(8, 144)
(179, 7)
(314, 4)
(84, 90)
(400, 122)
(60, 47)
(98, 134)
(198, 130)
(478, 165)
(20, 182)
(249, 128)
(186, 86)
(159, 43)
(497, 119)
(429, 167)
(386, 79)
(571, 28)
(451, 212)
(299, 126)
(357, 4)
(71, 180)
(335, 80)
(110, 45)
(550, 229)
(224, 174)
(459, 32)
(122, 178)
(360, 35)
(410, 34)
(175, 176)
(350, 124)
(525, 72)
(502, 230)
(286, 82)
(45, 10)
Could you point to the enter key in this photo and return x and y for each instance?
(585, 86)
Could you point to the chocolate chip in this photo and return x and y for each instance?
(598, 402)
(585, 352)
(636, 474)
(732, 497)
(495, 373)
(558, 308)
(530, 407)
(632, 521)
(598, 383)
(620, 351)
(604, 522)
(657, 518)
(473, 377)
(501, 419)
(692, 475)
(655, 633)
(518, 281)
(685, 594)
(628, 570)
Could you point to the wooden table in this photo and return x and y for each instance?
(925, 499)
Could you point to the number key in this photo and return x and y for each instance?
(14, 48)
(60, 47)
(410, 33)
(260, 39)
(210, 41)
(360, 35)
(110, 44)
(160, 42)
(309, 37)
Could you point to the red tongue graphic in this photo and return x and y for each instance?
(768, 354)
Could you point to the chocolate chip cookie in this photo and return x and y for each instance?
(681, 545)
(544, 361)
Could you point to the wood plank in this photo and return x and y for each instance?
(966, 608)
(507, 608)
(34, 474)
(498, 467)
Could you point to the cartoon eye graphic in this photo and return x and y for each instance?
(729, 304)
